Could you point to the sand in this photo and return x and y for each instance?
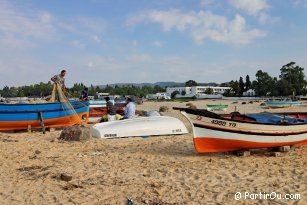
(39, 169)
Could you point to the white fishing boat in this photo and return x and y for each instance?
(138, 127)
(220, 133)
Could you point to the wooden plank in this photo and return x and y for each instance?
(284, 149)
(29, 129)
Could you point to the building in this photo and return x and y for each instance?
(158, 96)
(102, 95)
(197, 91)
(249, 93)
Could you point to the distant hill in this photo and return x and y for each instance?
(161, 84)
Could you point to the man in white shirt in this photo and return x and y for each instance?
(129, 112)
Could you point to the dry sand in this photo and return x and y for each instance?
(39, 169)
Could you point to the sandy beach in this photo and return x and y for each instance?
(39, 169)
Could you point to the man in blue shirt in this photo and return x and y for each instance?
(84, 94)
(129, 112)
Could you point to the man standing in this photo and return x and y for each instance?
(84, 94)
(111, 109)
(129, 112)
(60, 79)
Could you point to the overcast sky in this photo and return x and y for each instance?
(133, 41)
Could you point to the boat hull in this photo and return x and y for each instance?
(217, 107)
(141, 126)
(208, 140)
(23, 116)
(282, 104)
(220, 135)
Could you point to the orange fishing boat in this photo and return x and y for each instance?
(219, 133)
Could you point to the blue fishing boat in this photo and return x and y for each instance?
(281, 104)
(45, 115)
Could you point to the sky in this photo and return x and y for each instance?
(119, 41)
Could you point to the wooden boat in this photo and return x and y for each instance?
(98, 108)
(140, 126)
(217, 107)
(281, 104)
(219, 133)
(21, 116)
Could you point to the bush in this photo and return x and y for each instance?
(163, 109)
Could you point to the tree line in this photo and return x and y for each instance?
(291, 81)
(45, 89)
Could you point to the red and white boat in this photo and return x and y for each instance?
(220, 133)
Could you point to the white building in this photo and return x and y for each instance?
(249, 93)
(197, 91)
(158, 96)
(101, 96)
(187, 91)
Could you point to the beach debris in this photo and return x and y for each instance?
(243, 153)
(26, 169)
(65, 177)
(153, 202)
(129, 201)
(118, 117)
(75, 133)
(163, 109)
(7, 140)
(276, 154)
(191, 105)
(37, 152)
(284, 149)
(152, 113)
(70, 186)
(104, 118)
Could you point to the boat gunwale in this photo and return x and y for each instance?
(202, 113)
(73, 107)
(246, 132)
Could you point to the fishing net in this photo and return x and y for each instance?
(71, 116)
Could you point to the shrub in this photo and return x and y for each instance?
(163, 109)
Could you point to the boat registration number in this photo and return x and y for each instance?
(224, 123)
(110, 135)
(176, 130)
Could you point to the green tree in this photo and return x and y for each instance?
(173, 95)
(248, 83)
(295, 77)
(241, 86)
(190, 83)
(209, 91)
(234, 88)
(263, 84)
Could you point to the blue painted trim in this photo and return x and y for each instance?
(49, 110)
